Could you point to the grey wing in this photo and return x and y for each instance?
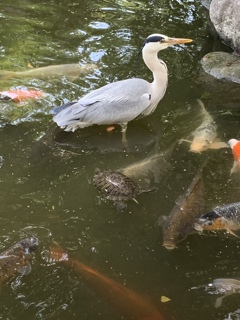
(117, 102)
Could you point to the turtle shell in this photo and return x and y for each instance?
(115, 185)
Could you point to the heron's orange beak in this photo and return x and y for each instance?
(172, 41)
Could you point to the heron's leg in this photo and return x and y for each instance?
(124, 137)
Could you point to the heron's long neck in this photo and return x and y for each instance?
(159, 70)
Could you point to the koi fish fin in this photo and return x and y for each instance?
(189, 229)
(218, 145)
(182, 199)
(120, 205)
(184, 140)
(161, 220)
(135, 200)
(5, 75)
(201, 105)
(198, 227)
(148, 190)
(218, 301)
(232, 233)
(26, 269)
(236, 167)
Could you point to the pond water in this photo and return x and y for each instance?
(46, 174)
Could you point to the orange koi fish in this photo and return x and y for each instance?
(19, 95)
(126, 301)
(235, 145)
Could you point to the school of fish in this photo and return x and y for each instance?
(186, 217)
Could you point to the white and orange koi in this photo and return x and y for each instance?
(205, 136)
(18, 95)
(235, 146)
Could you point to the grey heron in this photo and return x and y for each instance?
(121, 101)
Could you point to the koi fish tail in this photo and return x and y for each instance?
(201, 105)
(5, 75)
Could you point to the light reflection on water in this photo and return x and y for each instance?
(46, 175)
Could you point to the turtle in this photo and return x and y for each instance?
(116, 186)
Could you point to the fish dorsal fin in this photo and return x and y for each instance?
(181, 200)
(195, 181)
(26, 269)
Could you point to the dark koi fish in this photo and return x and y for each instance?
(181, 220)
(126, 301)
(16, 259)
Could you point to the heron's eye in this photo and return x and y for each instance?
(162, 40)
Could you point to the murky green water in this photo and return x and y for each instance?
(45, 182)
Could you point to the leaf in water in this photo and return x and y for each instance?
(165, 299)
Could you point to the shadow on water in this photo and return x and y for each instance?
(141, 137)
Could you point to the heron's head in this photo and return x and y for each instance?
(157, 42)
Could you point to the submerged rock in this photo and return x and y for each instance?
(222, 65)
(206, 3)
(224, 15)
